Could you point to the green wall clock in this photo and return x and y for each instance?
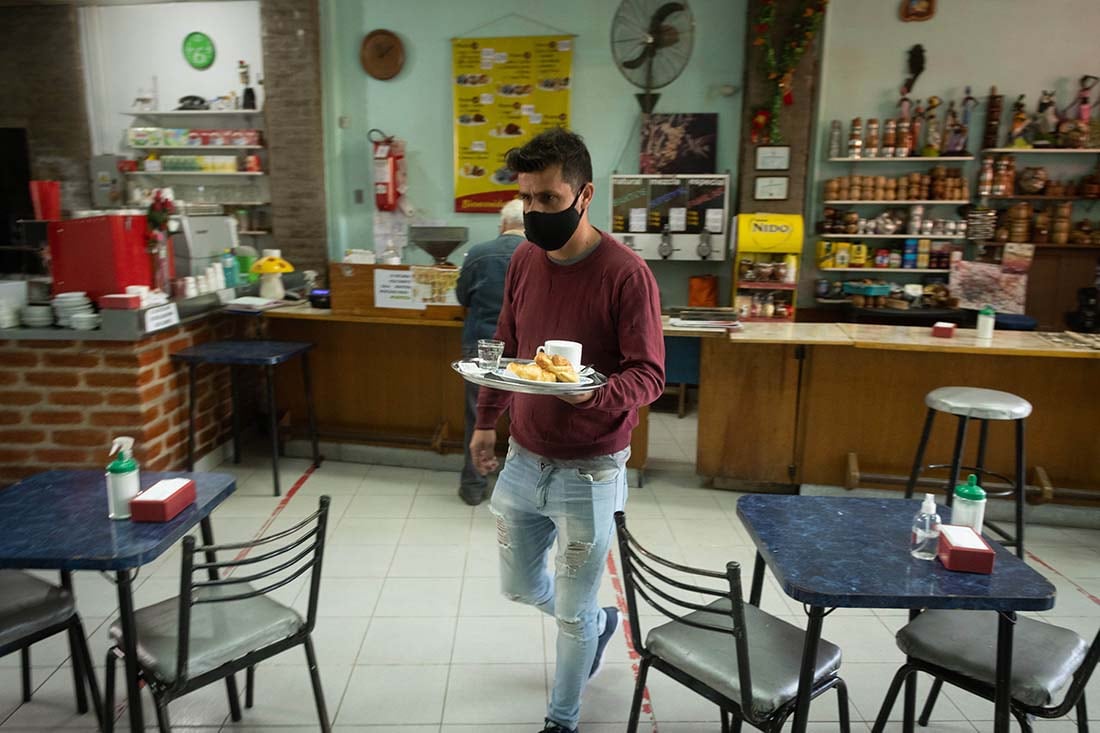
(198, 49)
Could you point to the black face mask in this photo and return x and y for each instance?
(552, 231)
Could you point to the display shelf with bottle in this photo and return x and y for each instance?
(765, 271)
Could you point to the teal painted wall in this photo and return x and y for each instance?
(1021, 46)
(416, 105)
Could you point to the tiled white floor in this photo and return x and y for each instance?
(413, 636)
(672, 439)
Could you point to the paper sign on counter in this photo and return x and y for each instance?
(161, 317)
(677, 219)
(394, 289)
(638, 220)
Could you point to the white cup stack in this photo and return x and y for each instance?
(37, 316)
(9, 317)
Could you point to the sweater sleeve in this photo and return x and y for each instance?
(491, 403)
(641, 379)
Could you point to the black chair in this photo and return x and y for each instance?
(960, 647)
(710, 649)
(32, 610)
(225, 624)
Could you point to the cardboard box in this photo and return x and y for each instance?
(162, 501)
(943, 330)
(964, 550)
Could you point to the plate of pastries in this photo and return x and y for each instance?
(545, 374)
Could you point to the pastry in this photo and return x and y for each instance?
(557, 365)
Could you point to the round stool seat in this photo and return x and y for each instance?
(978, 403)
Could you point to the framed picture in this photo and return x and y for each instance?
(679, 143)
(771, 188)
(773, 158)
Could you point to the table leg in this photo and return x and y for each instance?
(309, 409)
(909, 707)
(1006, 623)
(212, 573)
(191, 390)
(129, 650)
(274, 427)
(806, 673)
(235, 389)
(757, 588)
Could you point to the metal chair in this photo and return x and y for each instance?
(224, 624)
(960, 647)
(710, 649)
(983, 405)
(32, 610)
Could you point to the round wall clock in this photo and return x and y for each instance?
(198, 49)
(382, 54)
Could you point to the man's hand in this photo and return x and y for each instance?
(576, 399)
(482, 451)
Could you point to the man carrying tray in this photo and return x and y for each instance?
(565, 473)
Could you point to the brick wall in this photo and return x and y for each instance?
(61, 402)
(292, 114)
(44, 92)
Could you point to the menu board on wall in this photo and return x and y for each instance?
(506, 91)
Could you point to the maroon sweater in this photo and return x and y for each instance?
(609, 303)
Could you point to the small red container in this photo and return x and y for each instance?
(120, 301)
(162, 501)
(964, 550)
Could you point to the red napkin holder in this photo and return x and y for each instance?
(120, 301)
(964, 550)
(162, 501)
(943, 330)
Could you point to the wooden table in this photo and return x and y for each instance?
(791, 403)
(839, 552)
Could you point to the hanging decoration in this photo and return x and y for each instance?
(780, 61)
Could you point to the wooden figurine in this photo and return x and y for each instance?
(1020, 126)
(918, 122)
(1046, 121)
(934, 136)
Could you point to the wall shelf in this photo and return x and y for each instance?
(764, 285)
(198, 113)
(881, 269)
(1044, 151)
(1046, 245)
(192, 148)
(953, 202)
(917, 159)
(193, 173)
(1039, 197)
(938, 237)
(254, 232)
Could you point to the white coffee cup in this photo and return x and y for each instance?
(571, 350)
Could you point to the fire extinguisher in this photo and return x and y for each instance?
(389, 169)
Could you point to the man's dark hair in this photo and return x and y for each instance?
(554, 147)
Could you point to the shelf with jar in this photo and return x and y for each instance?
(918, 255)
(1050, 225)
(1000, 180)
(938, 185)
(916, 134)
(765, 270)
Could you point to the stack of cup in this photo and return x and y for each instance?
(9, 317)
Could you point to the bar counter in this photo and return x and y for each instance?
(798, 403)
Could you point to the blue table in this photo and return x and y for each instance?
(58, 521)
(266, 354)
(837, 552)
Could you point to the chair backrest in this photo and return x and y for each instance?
(641, 578)
(284, 557)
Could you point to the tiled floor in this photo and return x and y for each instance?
(672, 440)
(414, 637)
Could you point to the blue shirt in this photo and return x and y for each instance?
(481, 287)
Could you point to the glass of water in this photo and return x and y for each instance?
(489, 353)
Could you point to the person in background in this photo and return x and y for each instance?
(481, 289)
(565, 474)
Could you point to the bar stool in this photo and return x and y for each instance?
(983, 405)
(267, 354)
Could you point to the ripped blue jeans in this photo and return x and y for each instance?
(536, 501)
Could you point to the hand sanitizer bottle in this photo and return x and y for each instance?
(122, 479)
(926, 530)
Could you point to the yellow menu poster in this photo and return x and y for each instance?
(506, 91)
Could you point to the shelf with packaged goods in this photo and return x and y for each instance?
(922, 270)
(253, 174)
(937, 237)
(765, 319)
(1041, 245)
(197, 113)
(923, 202)
(764, 285)
(918, 159)
(1039, 197)
(1041, 151)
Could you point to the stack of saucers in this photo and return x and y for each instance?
(37, 316)
(84, 321)
(67, 305)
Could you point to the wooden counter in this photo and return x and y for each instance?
(387, 381)
(788, 403)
